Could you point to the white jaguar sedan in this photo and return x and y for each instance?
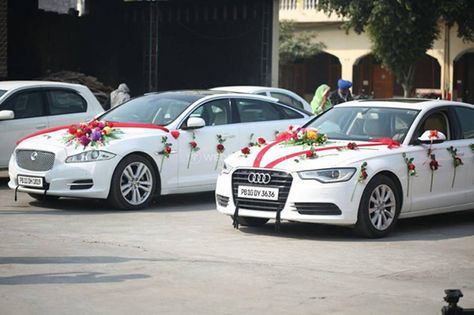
(160, 143)
(362, 164)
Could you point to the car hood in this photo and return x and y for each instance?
(298, 157)
(61, 138)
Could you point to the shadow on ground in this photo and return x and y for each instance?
(429, 228)
(69, 278)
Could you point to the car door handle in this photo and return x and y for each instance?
(40, 126)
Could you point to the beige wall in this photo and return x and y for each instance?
(349, 47)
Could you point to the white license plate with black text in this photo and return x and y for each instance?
(30, 181)
(252, 192)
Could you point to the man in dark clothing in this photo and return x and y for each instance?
(342, 94)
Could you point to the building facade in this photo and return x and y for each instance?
(447, 70)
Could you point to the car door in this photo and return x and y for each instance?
(30, 116)
(65, 107)
(465, 144)
(199, 166)
(260, 118)
(443, 187)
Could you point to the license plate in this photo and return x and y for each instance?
(30, 181)
(252, 192)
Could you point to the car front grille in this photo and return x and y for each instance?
(280, 180)
(34, 160)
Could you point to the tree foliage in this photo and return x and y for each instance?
(401, 31)
(297, 45)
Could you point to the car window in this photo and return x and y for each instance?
(291, 114)
(286, 99)
(26, 104)
(65, 102)
(157, 109)
(434, 121)
(256, 110)
(365, 123)
(466, 118)
(214, 113)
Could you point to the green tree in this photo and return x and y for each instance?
(297, 45)
(401, 31)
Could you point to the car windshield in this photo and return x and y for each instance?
(2, 92)
(156, 109)
(365, 123)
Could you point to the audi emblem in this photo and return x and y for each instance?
(33, 156)
(259, 178)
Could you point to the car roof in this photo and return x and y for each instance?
(10, 85)
(405, 103)
(242, 88)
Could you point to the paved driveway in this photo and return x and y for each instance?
(182, 257)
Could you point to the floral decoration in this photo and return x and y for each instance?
(434, 165)
(94, 133)
(352, 146)
(245, 151)
(193, 147)
(166, 150)
(362, 177)
(175, 134)
(220, 148)
(260, 141)
(411, 169)
(456, 161)
(302, 136)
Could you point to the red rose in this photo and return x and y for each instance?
(110, 124)
(457, 162)
(72, 130)
(79, 133)
(245, 150)
(168, 149)
(351, 145)
(434, 165)
(309, 154)
(94, 123)
(175, 134)
(261, 141)
(411, 166)
(220, 148)
(364, 174)
(193, 144)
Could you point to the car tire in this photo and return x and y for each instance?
(379, 208)
(133, 183)
(42, 197)
(251, 221)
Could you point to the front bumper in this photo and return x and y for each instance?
(308, 201)
(84, 180)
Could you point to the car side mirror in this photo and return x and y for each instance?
(7, 114)
(194, 123)
(432, 136)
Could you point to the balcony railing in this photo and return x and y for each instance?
(287, 4)
(310, 4)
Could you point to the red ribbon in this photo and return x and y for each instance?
(115, 124)
(390, 143)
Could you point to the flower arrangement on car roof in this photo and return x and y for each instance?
(93, 133)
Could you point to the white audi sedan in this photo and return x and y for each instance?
(160, 143)
(362, 164)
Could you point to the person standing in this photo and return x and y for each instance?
(120, 95)
(342, 94)
(321, 102)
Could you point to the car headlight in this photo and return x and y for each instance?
(329, 175)
(226, 169)
(90, 156)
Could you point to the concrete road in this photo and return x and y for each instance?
(182, 257)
